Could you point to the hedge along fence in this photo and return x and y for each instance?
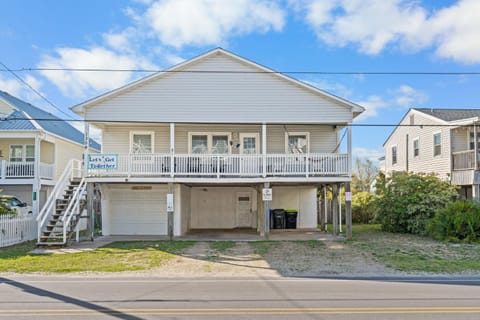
(16, 229)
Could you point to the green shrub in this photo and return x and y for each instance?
(363, 209)
(459, 221)
(407, 201)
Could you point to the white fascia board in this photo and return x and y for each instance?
(80, 108)
(464, 122)
(11, 134)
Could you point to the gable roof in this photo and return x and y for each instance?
(443, 116)
(356, 109)
(451, 114)
(38, 120)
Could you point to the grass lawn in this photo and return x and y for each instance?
(402, 252)
(413, 253)
(115, 257)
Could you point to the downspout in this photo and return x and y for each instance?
(406, 152)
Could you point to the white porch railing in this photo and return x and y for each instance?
(228, 165)
(25, 170)
(16, 229)
(47, 171)
(464, 160)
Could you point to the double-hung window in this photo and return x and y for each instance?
(22, 153)
(209, 143)
(416, 147)
(141, 145)
(437, 144)
(394, 155)
(297, 142)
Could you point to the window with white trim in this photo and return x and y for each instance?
(437, 144)
(141, 142)
(394, 155)
(297, 142)
(416, 147)
(22, 153)
(209, 143)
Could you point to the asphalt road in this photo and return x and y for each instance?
(43, 297)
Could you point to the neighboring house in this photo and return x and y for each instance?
(214, 131)
(440, 141)
(35, 147)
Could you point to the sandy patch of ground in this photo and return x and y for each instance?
(289, 258)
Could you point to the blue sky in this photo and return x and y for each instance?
(289, 35)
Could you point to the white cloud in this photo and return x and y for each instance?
(20, 90)
(80, 83)
(407, 96)
(404, 96)
(370, 154)
(372, 106)
(210, 22)
(456, 29)
(120, 41)
(374, 25)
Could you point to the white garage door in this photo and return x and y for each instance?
(137, 212)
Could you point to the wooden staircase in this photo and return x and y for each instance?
(52, 233)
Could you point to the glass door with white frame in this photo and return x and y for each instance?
(249, 161)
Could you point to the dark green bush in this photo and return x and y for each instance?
(363, 208)
(459, 221)
(407, 201)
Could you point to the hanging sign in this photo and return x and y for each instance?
(170, 204)
(103, 161)
(267, 194)
(348, 196)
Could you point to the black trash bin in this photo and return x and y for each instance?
(278, 219)
(291, 219)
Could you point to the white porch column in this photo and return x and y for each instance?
(264, 149)
(86, 145)
(349, 149)
(172, 149)
(3, 169)
(36, 179)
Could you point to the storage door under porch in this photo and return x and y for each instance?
(138, 210)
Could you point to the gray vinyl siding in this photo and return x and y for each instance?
(425, 162)
(220, 98)
(116, 139)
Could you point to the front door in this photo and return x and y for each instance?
(250, 164)
(244, 209)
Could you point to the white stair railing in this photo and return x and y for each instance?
(72, 170)
(73, 207)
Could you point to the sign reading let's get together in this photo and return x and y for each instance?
(103, 161)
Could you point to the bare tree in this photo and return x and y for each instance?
(364, 173)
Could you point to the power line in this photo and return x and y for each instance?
(186, 122)
(436, 73)
(33, 89)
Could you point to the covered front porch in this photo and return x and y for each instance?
(25, 157)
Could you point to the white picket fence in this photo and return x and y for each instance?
(16, 229)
